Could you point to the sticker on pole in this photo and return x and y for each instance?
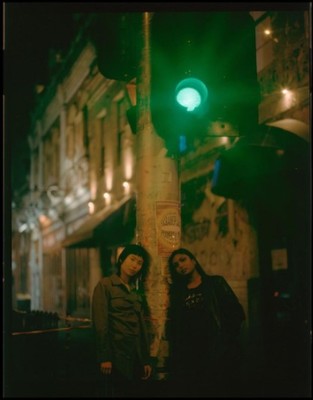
(168, 226)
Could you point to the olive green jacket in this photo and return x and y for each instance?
(119, 325)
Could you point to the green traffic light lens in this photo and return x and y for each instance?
(191, 93)
(189, 98)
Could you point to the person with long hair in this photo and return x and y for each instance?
(121, 334)
(205, 319)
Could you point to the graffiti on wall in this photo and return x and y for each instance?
(204, 221)
(203, 214)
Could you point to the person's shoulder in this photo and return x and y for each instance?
(106, 281)
(175, 289)
(215, 279)
(218, 278)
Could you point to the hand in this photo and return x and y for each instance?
(106, 367)
(147, 372)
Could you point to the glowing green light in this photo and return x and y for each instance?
(189, 98)
(191, 93)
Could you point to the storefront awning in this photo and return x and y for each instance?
(294, 126)
(111, 225)
(269, 159)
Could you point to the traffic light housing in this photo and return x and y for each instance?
(213, 54)
(118, 41)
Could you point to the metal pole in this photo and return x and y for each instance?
(158, 205)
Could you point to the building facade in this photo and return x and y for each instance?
(82, 172)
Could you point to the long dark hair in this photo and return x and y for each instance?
(140, 251)
(175, 277)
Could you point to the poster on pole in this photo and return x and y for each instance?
(168, 226)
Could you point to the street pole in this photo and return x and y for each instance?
(158, 205)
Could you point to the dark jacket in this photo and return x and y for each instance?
(120, 329)
(222, 305)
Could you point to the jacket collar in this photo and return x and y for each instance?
(115, 279)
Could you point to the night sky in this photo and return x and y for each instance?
(31, 30)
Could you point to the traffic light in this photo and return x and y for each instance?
(117, 39)
(203, 70)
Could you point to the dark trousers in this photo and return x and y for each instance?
(203, 381)
(116, 385)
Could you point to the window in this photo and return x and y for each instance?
(51, 156)
(71, 132)
(55, 154)
(121, 123)
(78, 281)
(102, 132)
(70, 139)
(47, 159)
(264, 43)
(52, 278)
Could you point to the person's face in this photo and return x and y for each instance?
(183, 264)
(131, 265)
